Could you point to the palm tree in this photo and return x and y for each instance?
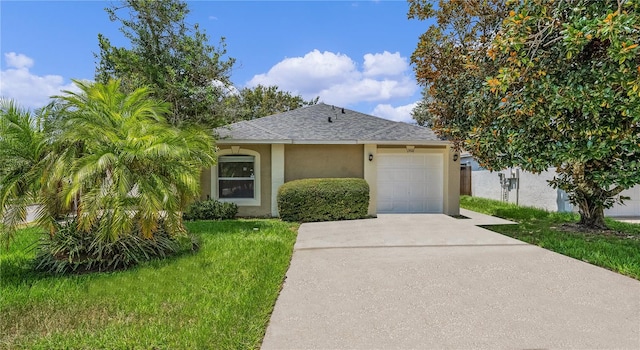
(24, 150)
(127, 168)
(108, 172)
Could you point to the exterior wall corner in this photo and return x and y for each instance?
(371, 175)
(277, 175)
(452, 182)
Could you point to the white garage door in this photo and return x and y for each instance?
(410, 183)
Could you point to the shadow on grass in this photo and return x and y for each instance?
(226, 226)
(522, 214)
(17, 267)
(17, 262)
(21, 272)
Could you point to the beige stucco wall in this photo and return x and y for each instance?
(371, 176)
(264, 209)
(205, 184)
(451, 182)
(316, 161)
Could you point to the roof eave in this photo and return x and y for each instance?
(251, 141)
(406, 142)
(336, 142)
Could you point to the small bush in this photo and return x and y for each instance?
(72, 250)
(211, 210)
(311, 200)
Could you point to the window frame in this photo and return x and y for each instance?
(215, 184)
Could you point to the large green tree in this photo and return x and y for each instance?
(449, 60)
(169, 55)
(261, 101)
(569, 78)
(564, 93)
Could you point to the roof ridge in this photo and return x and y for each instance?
(264, 129)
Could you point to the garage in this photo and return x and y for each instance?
(410, 183)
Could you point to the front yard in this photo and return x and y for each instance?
(617, 249)
(218, 298)
(222, 296)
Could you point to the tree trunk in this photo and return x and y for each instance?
(591, 214)
(589, 196)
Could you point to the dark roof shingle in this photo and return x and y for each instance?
(311, 124)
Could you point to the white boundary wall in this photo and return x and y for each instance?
(631, 206)
(536, 192)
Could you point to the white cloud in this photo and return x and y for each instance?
(309, 74)
(398, 114)
(367, 90)
(385, 64)
(336, 78)
(27, 89)
(18, 60)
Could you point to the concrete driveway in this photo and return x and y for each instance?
(432, 281)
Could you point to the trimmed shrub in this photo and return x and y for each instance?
(310, 200)
(211, 209)
(74, 251)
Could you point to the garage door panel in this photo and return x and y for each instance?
(401, 190)
(434, 160)
(402, 207)
(410, 183)
(435, 191)
(417, 193)
(392, 176)
(417, 206)
(417, 161)
(385, 206)
(416, 175)
(434, 206)
(385, 191)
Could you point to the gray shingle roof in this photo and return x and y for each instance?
(310, 125)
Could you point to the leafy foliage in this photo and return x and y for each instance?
(311, 200)
(559, 88)
(449, 61)
(24, 151)
(171, 56)
(570, 74)
(261, 101)
(110, 162)
(131, 161)
(211, 210)
(77, 251)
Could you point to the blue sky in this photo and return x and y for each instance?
(353, 54)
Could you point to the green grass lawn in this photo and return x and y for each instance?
(218, 298)
(617, 250)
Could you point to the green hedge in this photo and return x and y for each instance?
(210, 209)
(311, 200)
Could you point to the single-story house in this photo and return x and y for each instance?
(408, 168)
